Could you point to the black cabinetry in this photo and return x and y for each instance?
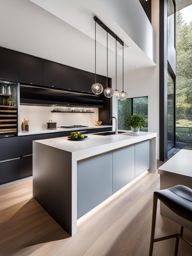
(20, 67)
(52, 73)
(15, 168)
(30, 69)
(9, 65)
(16, 154)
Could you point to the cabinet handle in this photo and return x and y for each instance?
(25, 156)
(9, 160)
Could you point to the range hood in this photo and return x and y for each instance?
(34, 95)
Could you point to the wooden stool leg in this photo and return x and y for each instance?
(153, 224)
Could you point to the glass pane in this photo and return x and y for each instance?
(8, 109)
(184, 78)
(140, 107)
(171, 25)
(170, 113)
(132, 106)
(124, 110)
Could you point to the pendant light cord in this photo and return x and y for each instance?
(95, 52)
(107, 59)
(116, 62)
(123, 67)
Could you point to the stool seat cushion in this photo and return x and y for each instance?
(178, 199)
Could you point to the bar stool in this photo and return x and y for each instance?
(179, 200)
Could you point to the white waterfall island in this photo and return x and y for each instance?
(72, 177)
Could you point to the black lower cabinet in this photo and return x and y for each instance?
(16, 153)
(13, 169)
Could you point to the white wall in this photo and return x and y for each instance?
(126, 18)
(131, 17)
(39, 116)
(145, 82)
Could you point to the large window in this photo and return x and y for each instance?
(184, 78)
(138, 105)
(171, 75)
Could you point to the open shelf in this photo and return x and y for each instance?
(8, 125)
(8, 116)
(9, 107)
(8, 120)
(8, 111)
(75, 112)
(4, 131)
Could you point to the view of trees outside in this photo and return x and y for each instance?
(184, 76)
(170, 113)
(138, 105)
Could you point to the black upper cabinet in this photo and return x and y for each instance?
(27, 69)
(20, 67)
(77, 80)
(9, 65)
(30, 69)
(52, 74)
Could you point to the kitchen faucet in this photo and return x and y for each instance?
(116, 124)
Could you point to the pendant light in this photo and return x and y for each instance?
(96, 88)
(116, 92)
(123, 94)
(108, 92)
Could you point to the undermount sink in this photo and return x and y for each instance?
(108, 133)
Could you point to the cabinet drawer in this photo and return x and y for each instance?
(15, 147)
(15, 169)
(19, 146)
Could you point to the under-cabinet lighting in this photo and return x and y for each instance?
(73, 110)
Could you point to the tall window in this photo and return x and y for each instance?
(138, 105)
(171, 76)
(170, 113)
(184, 78)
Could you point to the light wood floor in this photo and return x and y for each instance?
(122, 228)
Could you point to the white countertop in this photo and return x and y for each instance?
(44, 131)
(96, 144)
(180, 163)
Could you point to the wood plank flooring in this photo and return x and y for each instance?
(121, 228)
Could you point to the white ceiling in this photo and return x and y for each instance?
(79, 14)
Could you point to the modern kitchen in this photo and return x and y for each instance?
(80, 137)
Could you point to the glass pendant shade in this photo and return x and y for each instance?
(97, 88)
(123, 96)
(108, 92)
(116, 93)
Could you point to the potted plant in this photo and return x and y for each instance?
(135, 122)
